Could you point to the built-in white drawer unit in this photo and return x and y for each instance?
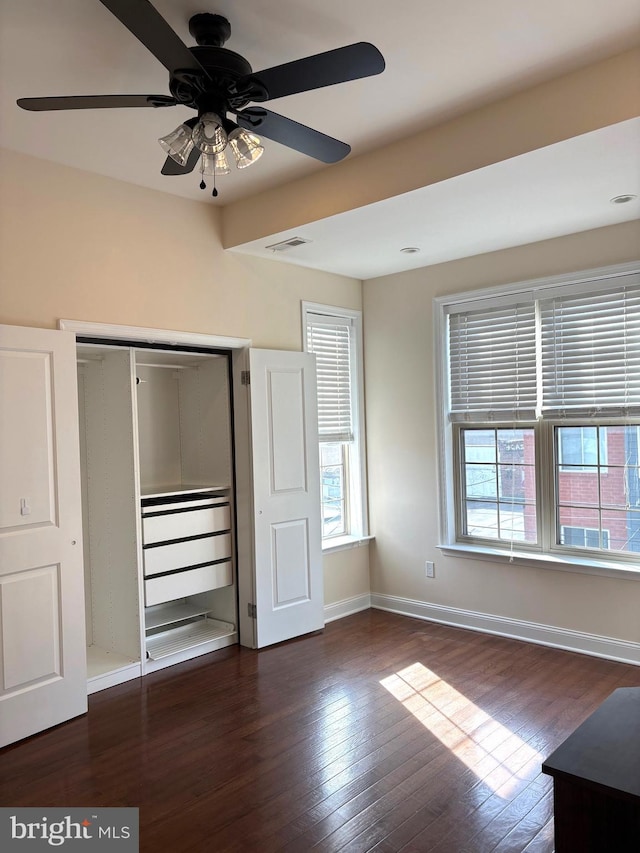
(187, 547)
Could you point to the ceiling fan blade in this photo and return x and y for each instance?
(287, 132)
(95, 102)
(148, 25)
(172, 168)
(313, 72)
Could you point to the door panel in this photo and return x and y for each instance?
(287, 455)
(286, 490)
(42, 639)
(27, 497)
(291, 548)
(31, 627)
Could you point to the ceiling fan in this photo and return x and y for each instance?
(218, 83)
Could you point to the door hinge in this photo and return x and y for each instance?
(245, 377)
(253, 612)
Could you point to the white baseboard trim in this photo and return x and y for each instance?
(516, 629)
(346, 607)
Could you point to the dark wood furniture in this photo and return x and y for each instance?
(596, 780)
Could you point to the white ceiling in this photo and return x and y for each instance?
(442, 59)
(557, 190)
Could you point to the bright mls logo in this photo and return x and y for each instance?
(41, 829)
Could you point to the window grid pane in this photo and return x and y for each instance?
(598, 505)
(333, 467)
(499, 492)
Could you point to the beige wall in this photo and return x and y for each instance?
(401, 430)
(79, 246)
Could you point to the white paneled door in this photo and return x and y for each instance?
(42, 633)
(288, 551)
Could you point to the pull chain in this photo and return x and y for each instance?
(203, 186)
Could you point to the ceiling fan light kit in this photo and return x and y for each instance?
(246, 147)
(214, 164)
(209, 136)
(178, 144)
(216, 82)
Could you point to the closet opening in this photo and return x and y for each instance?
(159, 504)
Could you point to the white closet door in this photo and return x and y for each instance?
(42, 635)
(286, 491)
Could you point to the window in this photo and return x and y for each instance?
(334, 336)
(541, 416)
(498, 484)
(583, 537)
(600, 498)
(333, 482)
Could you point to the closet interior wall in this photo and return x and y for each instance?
(110, 510)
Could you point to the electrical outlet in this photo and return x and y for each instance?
(430, 569)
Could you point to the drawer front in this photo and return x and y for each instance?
(178, 525)
(166, 558)
(150, 506)
(190, 582)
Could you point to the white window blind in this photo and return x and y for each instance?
(572, 351)
(590, 345)
(331, 342)
(492, 362)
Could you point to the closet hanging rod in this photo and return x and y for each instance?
(171, 366)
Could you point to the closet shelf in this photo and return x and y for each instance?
(166, 615)
(187, 636)
(101, 661)
(179, 489)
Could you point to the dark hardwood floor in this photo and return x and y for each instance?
(382, 733)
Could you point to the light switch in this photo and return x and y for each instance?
(25, 509)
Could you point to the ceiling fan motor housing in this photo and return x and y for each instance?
(209, 29)
(224, 67)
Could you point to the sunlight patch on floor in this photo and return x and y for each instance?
(496, 755)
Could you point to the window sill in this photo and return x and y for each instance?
(342, 543)
(563, 563)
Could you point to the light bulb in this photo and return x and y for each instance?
(209, 135)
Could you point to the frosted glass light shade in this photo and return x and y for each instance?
(245, 146)
(209, 135)
(214, 164)
(178, 144)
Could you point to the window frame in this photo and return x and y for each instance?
(547, 553)
(355, 451)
